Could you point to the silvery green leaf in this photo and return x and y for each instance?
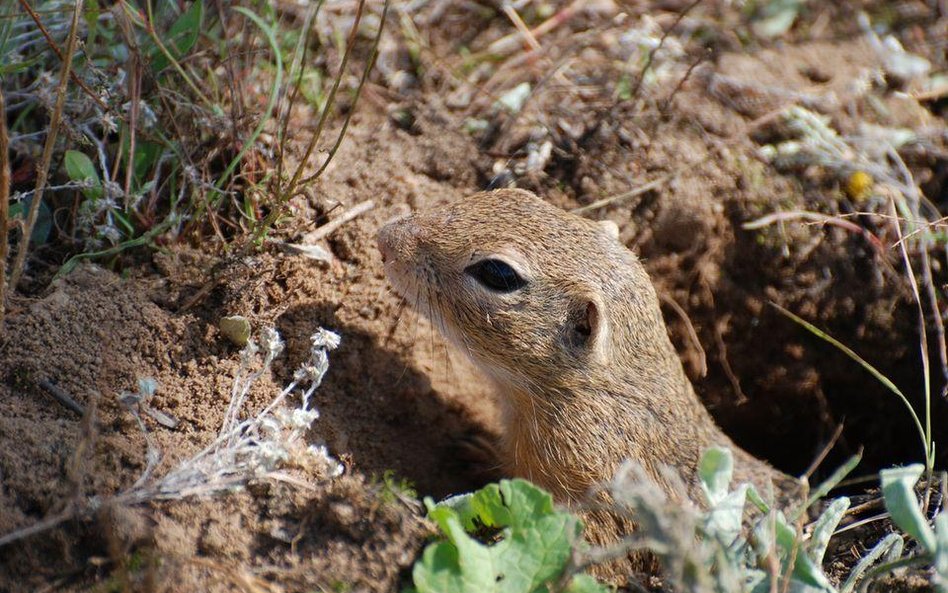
(777, 17)
(868, 560)
(824, 527)
(514, 99)
(715, 471)
(724, 519)
(940, 579)
(898, 491)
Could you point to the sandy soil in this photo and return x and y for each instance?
(396, 398)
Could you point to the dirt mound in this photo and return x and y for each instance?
(390, 411)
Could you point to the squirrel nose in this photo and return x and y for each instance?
(397, 239)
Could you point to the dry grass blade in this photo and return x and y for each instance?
(44, 525)
(817, 218)
(42, 170)
(4, 205)
(626, 195)
(926, 272)
(295, 74)
(923, 340)
(330, 227)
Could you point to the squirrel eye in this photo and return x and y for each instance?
(496, 275)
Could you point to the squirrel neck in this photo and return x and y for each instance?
(569, 440)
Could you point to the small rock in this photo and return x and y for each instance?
(236, 329)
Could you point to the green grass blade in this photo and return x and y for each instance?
(829, 483)
(864, 364)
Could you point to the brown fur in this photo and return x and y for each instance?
(572, 411)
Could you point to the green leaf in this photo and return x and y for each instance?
(461, 505)
(715, 470)
(824, 527)
(80, 169)
(44, 219)
(535, 548)
(888, 542)
(777, 18)
(941, 552)
(831, 482)
(180, 38)
(724, 518)
(91, 16)
(147, 155)
(898, 491)
(805, 571)
(488, 507)
(583, 583)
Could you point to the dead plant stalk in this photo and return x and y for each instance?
(42, 170)
(52, 45)
(4, 204)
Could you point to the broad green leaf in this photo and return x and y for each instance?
(715, 471)
(536, 544)
(898, 491)
(438, 570)
(80, 169)
(180, 38)
(525, 501)
(489, 507)
(537, 553)
(461, 505)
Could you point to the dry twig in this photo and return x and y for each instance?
(661, 43)
(637, 191)
(52, 45)
(331, 226)
(61, 396)
(42, 170)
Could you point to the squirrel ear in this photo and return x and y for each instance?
(591, 328)
(611, 228)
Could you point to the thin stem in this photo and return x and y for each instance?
(4, 205)
(150, 29)
(42, 170)
(330, 101)
(52, 44)
(355, 99)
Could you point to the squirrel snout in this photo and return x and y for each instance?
(398, 239)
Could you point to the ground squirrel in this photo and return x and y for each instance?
(564, 320)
